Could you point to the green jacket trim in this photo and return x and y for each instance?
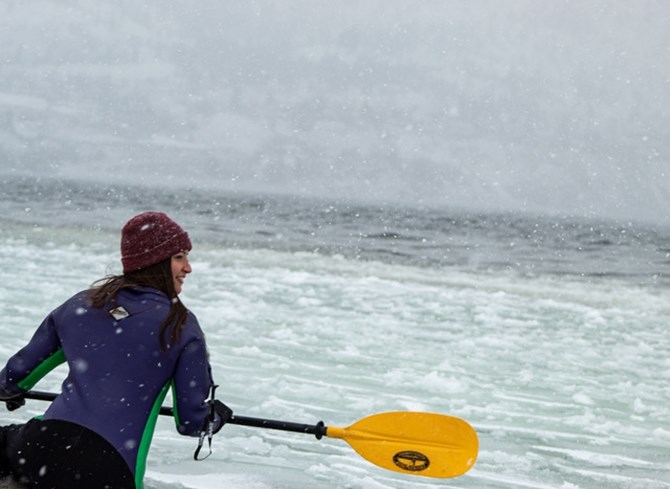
(147, 435)
(47, 365)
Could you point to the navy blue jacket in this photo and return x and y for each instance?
(118, 374)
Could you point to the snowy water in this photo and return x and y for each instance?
(549, 336)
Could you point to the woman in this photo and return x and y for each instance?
(127, 341)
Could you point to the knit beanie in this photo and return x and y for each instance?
(150, 238)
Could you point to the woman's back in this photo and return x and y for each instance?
(118, 372)
(125, 345)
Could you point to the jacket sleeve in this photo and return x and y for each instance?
(192, 383)
(42, 354)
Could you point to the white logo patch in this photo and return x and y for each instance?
(119, 313)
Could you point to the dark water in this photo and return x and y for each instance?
(425, 237)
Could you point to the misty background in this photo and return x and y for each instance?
(544, 107)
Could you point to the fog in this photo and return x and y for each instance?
(549, 107)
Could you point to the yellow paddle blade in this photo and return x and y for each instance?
(428, 444)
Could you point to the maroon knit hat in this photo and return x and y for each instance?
(149, 238)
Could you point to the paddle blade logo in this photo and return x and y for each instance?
(411, 461)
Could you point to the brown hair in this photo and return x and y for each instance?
(158, 276)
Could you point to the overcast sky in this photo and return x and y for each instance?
(542, 106)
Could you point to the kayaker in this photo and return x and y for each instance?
(127, 341)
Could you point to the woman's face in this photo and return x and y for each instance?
(180, 268)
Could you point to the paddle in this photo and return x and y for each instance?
(415, 443)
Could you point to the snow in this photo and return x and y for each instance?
(553, 108)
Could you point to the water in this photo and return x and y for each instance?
(425, 237)
(548, 335)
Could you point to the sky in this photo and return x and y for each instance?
(544, 107)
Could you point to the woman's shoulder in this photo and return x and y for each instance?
(192, 326)
(191, 334)
(78, 300)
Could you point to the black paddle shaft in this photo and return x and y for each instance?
(318, 430)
